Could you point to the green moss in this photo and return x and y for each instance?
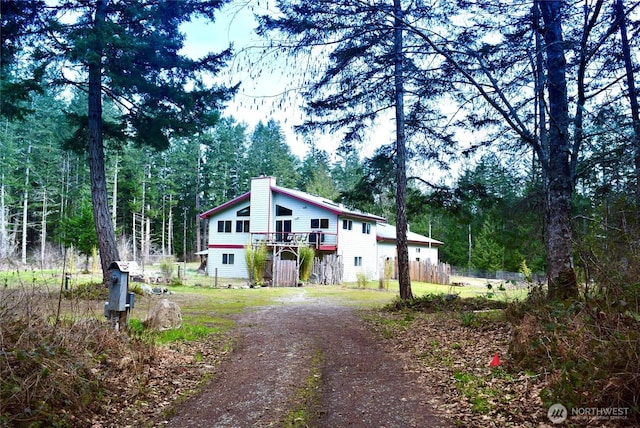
(305, 408)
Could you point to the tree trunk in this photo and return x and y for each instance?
(143, 259)
(4, 235)
(198, 231)
(404, 278)
(99, 198)
(633, 96)
(114, 197)
(25, 208)
(558, 239)
(170, 228)
(43, 228)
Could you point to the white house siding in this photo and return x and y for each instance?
(353, 243)
(233, 242)
(227, 249)
(386, 250)
(302, 213)
(215, 263)
(423, 252)
(261, 213)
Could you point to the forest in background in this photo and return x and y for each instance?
(490, 217)
(495, 75)
(104, 122)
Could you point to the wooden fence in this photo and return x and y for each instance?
(327, 270)
(425, 271)
(285, 273)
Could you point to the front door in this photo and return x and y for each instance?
(283, 230)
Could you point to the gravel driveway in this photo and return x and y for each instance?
(359, 385)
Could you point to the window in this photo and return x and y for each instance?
(283, 226)
(347, 224)
(244, 212)
(224, 226)
(280, 210)
(319, 223)
(228, 259)
(316, 238)
(366, 228)
(357, 261)
(417, 259)
(242, 226)
(417, 250)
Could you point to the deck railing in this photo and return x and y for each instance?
(316, 238)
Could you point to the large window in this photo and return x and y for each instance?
(228, 259)
(280, 210)
(224, 226)
(242, 226)
(366, 228)
(347, 224)
(319, 223)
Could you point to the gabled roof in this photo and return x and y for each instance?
(326, 204)
(317, 201)
(228, 204)
(387, 232)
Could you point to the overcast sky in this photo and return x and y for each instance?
(263, 80)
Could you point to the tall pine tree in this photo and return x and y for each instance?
(128, 51)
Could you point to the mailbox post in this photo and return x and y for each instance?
(120, 300)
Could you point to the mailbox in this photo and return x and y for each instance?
(120, 300)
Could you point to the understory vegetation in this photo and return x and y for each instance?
(583, 354)
(56, 371)
(61, 365)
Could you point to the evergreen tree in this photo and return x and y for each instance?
(315, 175)
(224, 171)
(129, 51)
(269, 154)
(367, 73)
(487, 254)
(19, 19)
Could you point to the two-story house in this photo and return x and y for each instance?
(284, 219)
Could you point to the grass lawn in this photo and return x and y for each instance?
(203, 304)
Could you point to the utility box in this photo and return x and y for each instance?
(120, 300)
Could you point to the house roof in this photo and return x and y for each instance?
(228, 204)
(318, 201)
(387, 232)
(326, 204)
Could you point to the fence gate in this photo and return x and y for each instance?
(285, 273)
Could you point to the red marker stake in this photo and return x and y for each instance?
(495, 361)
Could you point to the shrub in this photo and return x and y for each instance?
(88, 291)
(60, 373)
(444, 302)
(388, 272)
(166, 267)
(591, 350)
(307, 254)
(361, 280)
(256, 259)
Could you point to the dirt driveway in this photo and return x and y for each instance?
(306, 343)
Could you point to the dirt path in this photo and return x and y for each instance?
(359, 384)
